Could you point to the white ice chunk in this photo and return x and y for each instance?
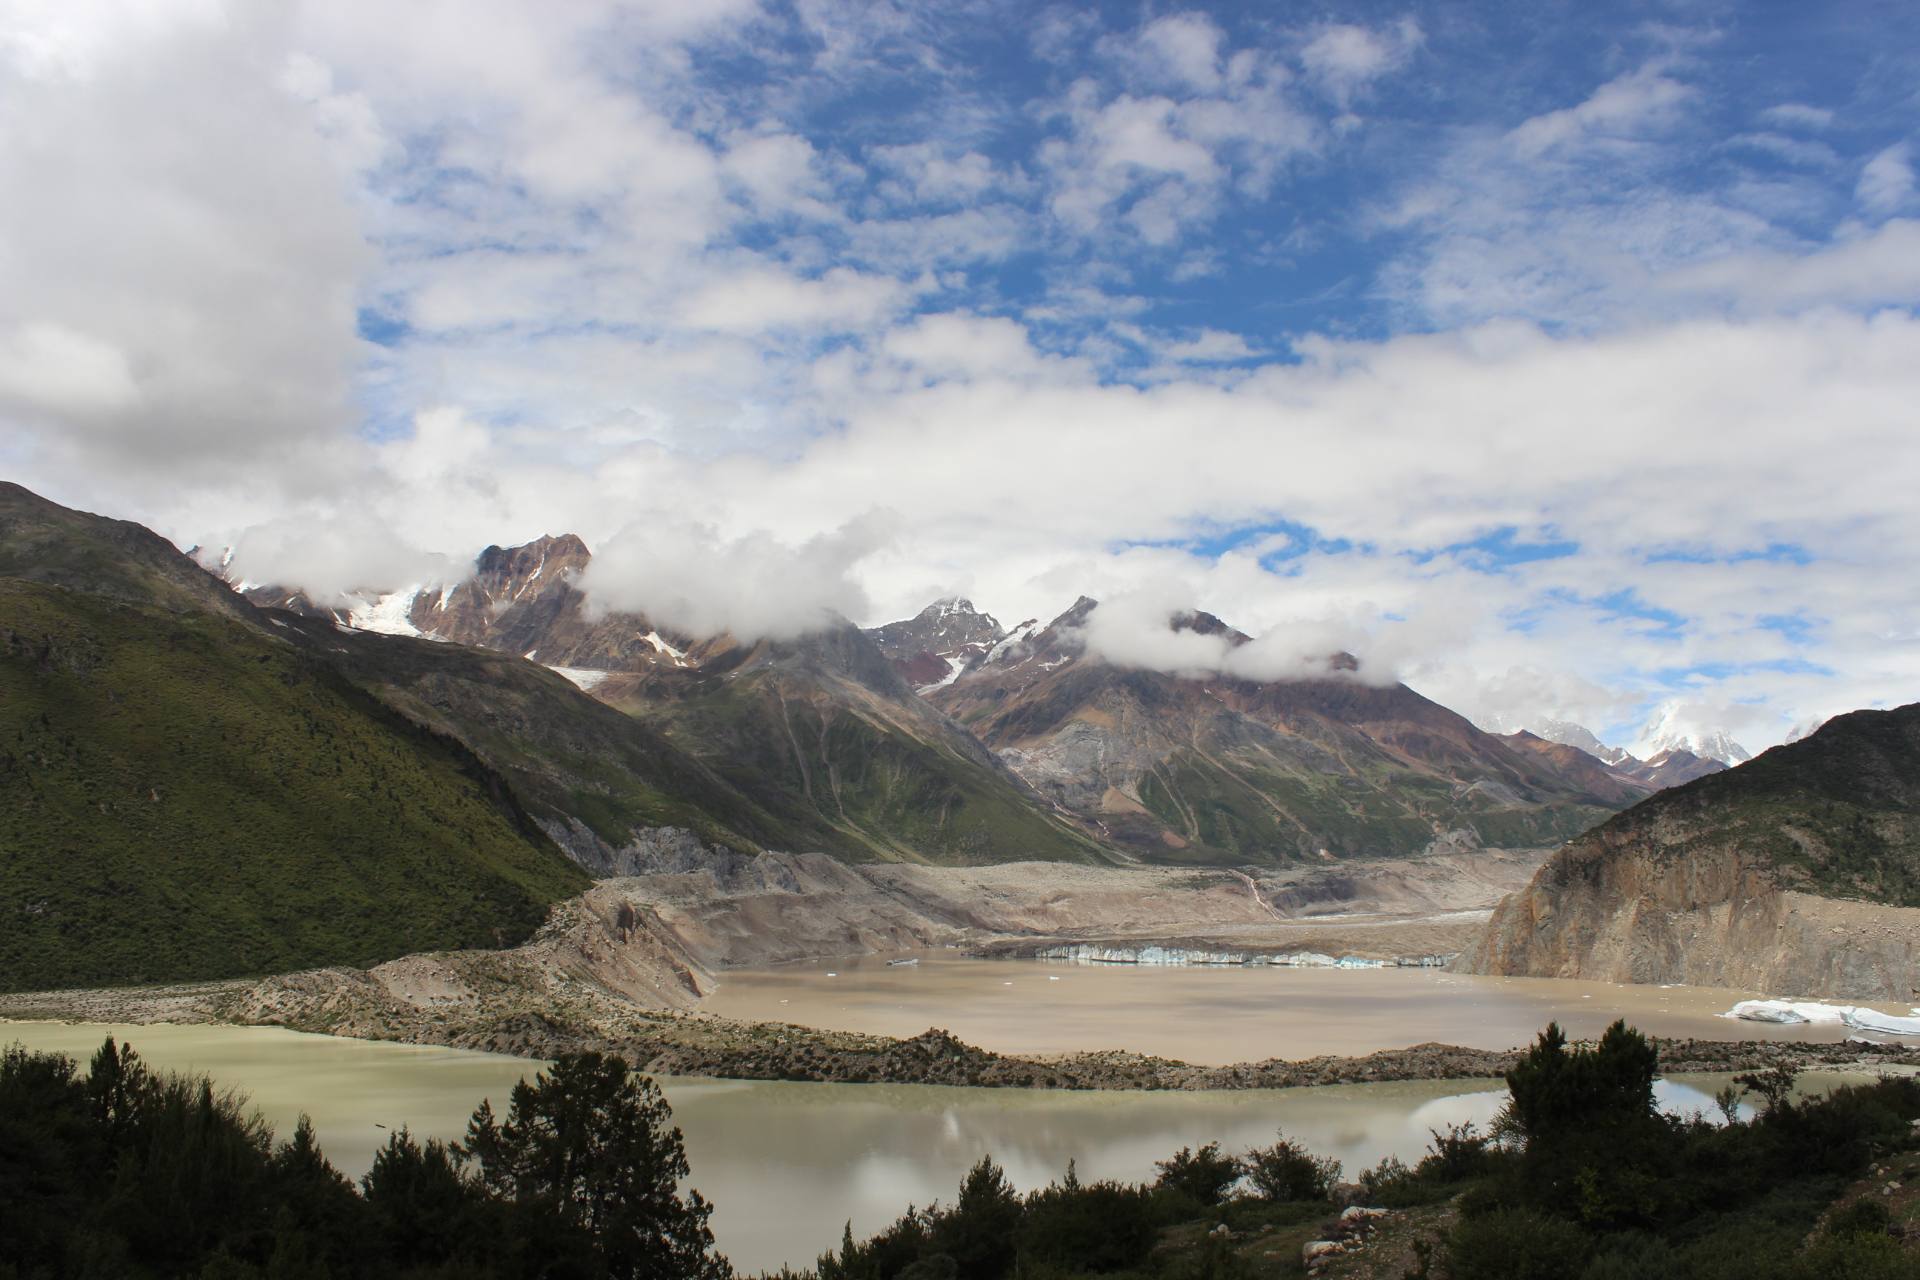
(1820, 1013)
(1885, 1024)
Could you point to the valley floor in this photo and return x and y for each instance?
(648, 965)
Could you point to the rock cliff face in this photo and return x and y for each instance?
(1796, 874)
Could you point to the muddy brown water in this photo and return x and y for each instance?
(787, 1165)
(1214, 1015)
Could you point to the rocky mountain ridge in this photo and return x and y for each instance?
(1176, 768)
(839, 731)
(1797, 873)
(932, 648)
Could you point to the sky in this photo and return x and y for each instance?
(1560, 359)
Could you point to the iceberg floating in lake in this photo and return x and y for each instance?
(1819, 1013)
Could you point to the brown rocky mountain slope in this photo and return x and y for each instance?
(1797, 873)
(931, 649)
(1187, 769)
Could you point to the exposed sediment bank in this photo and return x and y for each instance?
(629, 965)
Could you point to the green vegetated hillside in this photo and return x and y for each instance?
(1836, 813)
(568, 757)
(824, 736)
(183, 795)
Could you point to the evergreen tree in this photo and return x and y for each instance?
(592, 1143)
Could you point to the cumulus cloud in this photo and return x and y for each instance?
(692, 578)
(445, 275)
(183, 250)
(1345, 58)
(333, 562)
(1153, 628)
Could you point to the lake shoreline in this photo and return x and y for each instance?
(344, 1002)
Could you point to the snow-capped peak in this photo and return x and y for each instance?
(1570, 734)
(1679, 726)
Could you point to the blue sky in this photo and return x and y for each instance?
(1557, 358)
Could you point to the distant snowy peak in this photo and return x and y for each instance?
(1567, 733)
(1667, 766)
(933, 647)
(1677, 727)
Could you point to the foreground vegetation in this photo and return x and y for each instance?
(122, 1172)
(126, 1173)
(182, 797)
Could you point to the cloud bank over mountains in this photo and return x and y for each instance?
(1566, 396)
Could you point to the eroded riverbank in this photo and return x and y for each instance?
(681, 971)
(539, 1023)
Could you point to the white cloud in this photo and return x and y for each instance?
(760, 298)
(1160, 156)
(50, 369)
(1886, 183)
(609, 285)
(692, 578)
(1623, 108)
(182, 256)
(1208, 346)
(1183, 48)
(1345, 59)
(1880, 267)
(1797, 115)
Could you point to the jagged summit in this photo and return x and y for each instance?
(1674, 727)
(1668, 766)
(933, 647)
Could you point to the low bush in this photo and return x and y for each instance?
(1516, 1244)
(1288, 1171)
(1203, 1176)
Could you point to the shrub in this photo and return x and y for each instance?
(1516, 1244)
(1098, 1227)
(1861, 1218)
(978, 1232)
(1856, 1257)
(1456, 1155)
(1288, 1171)
(1201, 1176)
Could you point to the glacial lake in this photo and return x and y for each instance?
(1214, 1015)
(788, 1164)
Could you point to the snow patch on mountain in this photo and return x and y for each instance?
(387, 614)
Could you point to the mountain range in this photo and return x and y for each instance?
(315, 783)
(948, 737)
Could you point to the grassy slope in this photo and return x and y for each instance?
(1245, 810)
(1837, 813)
(566, 754)
(857, 786)
(182, 796)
